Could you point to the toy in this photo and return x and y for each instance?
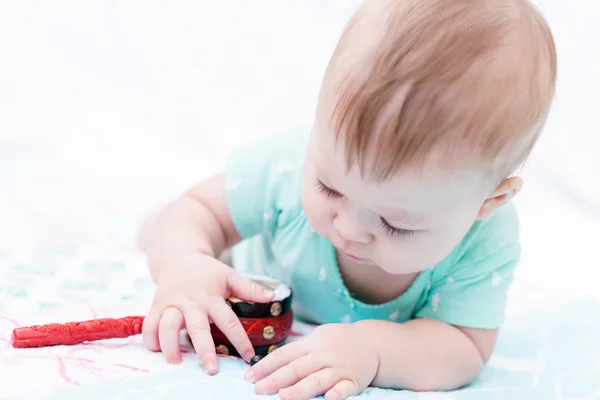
(267, 325)
(72, 333)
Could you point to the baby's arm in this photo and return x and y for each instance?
(181, 243)
(341, 360)
(426, 354)
(196, 222)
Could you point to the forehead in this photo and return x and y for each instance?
(422, 190)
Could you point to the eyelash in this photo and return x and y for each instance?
(330, 193)
(385, 227)
(393, 231)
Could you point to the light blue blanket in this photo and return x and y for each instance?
(541, 353)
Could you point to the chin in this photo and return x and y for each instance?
(393, 271)
(358, 260)
(398, 270)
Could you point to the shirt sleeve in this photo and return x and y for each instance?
(262, 182)
(472, 292)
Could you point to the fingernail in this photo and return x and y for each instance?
(332, 396)
(210, 367)
(261, 388)
(249, 376)
(248, 356)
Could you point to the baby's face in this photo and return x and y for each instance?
(404, 225)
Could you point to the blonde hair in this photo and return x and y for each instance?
(435, 76)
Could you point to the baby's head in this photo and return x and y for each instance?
(426, 110)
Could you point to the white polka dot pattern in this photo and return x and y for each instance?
(322, 274)
(496, 278)
(346, 319)
(435, 302)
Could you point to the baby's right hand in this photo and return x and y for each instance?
(192, 294)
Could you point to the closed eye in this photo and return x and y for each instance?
(390, 230)
(327, 191)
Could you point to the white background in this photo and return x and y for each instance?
(109, 108)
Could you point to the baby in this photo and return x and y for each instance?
(391, 217)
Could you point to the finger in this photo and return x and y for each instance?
(150, 330)
(247, 289)
(313, 385)
(342, 390)
(169, 327)
(229, 323)
(277, 359)
(290, 374)
(198, 328)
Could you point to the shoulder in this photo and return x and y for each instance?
(498, 233)
(264, 179)
(470, 288)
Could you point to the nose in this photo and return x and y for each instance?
(349, 227)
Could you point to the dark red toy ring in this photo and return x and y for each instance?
(266, 324)
(260, 331)
(260, 310)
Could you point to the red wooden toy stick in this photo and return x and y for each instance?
(76, 332)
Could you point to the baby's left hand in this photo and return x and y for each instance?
(337, 360)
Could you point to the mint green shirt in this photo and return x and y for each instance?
(263, 183)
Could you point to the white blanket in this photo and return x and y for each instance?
(108, 109)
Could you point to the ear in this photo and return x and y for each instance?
(507, 189)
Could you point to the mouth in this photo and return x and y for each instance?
(353, 256)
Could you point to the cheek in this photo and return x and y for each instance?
(316, 208)
(398, 255)
(413, 254)
(422, 251)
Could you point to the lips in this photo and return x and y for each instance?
(340, 248)
(353, 257)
